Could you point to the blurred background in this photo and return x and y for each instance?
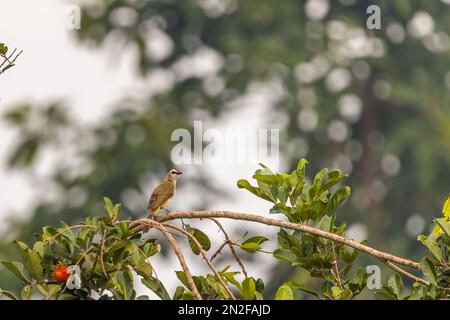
(89, 113)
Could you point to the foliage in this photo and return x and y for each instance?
(314, 203)
(294, 197)
(102, 257)
(104, 252)
(435, 267)
(7, 60)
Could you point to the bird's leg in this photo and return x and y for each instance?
(183, 224)
(167, 211)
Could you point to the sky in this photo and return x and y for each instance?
(54, 67)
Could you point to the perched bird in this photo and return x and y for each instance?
(163, 193)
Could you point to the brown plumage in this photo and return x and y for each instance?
(163, 193)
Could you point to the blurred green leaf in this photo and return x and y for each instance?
(17, 269)
(248, 289)
(284, 292)
(26, 292)
(8, 294)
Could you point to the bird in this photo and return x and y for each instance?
(163, 193)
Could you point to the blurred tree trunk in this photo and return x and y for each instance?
(367, 167)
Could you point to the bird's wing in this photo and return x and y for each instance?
(160, 195)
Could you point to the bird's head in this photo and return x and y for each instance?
(173, 175)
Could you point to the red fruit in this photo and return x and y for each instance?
(60, 273)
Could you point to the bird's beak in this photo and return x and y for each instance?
(179, 172)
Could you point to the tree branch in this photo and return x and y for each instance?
(200, 248)
(177, 250)
(405, 273)
(287, 225)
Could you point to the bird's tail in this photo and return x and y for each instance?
(150, 215)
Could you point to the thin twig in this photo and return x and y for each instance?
(102, 248)
(338, 275)
(230, 244)
(405, 273)
(203, 253)
(69, 228)
(219, 250)
(178, 252)
(10, 62)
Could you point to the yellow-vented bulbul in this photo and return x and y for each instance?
(163, 193)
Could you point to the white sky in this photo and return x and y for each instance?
(55, 67)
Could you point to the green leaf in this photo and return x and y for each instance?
(48, 233)
(334, 177)
(144, 269)
(34, 262)
(445, 221)
(348, 255)
(296, 193)
(284, 293)
(340, 294)
(244, 184)
(3, 49)
(134, 254)
(8, 294)
(151, 248)
(157, 287)
(301, 169)
(53, 290)
(396, 284)
(338, 197)
(124, 283)
(298, 286)
(67, 296)
(17, 269)
(429, 270)
(109, 207)
(259, 285)
(446, 208)
(326, 223)
(182, 277)
(271, 179)
(286, 255)
(248, 289)
(253, 244)
(444, 224)
(431, 244)
(38, 247)
(318, 179)
(117, 210)
(201, 237)
(26, 292)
